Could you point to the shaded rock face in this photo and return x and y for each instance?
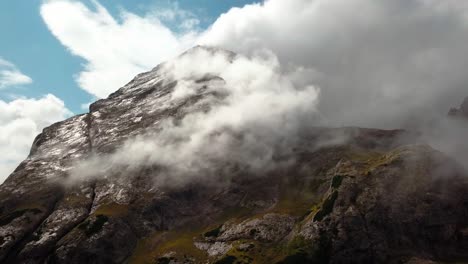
(377, 197)
(462, 111)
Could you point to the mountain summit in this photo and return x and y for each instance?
(166, 170)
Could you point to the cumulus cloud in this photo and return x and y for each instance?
(254, 109)
(10, 75)
(21, 120)
(378, 63)
(115, 49)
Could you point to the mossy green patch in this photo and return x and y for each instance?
(370, 160)
(320, 252)
(31, 205)
(181, 242)
(300, 250)
(295, 199)
(164, 260)
(327, 207)
(93, 226)
(213, 232)
(142, 252)
(18, 213)
(76, 200)
(236, 214)
(296, 258)
(227, 260)
(112, 209)
(336, 181)
(264, 252)
(296, 249)
(253, 254)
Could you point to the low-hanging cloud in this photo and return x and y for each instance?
(255, 109)
(378, 63)
(383, 64)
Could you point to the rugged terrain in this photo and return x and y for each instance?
(380, 196)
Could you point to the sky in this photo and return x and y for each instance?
(32, 49)
(383, 64)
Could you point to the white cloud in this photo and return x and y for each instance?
(381, 63)
(115, 50)
(378, 63)
(172, 14)
(11, 76)
(21, 120)
(255, 109)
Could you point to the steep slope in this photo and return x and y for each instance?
(373, 196)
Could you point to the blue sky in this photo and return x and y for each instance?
(28, 44)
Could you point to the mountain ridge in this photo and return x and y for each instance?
(368, 195)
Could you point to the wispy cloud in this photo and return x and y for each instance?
(11, 76)
(172, 13)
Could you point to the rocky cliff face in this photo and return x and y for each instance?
(377, 197)
(461, 112)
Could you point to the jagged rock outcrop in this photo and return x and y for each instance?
(377, 197)
(461, 112)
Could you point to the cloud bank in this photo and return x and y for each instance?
(11, 76)
(21, 120)
(378, 63)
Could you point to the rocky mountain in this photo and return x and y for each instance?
(379, 196)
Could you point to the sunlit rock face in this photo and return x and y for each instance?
(331, 195)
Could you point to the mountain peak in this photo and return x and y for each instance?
(209, 49)
(100, 187)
